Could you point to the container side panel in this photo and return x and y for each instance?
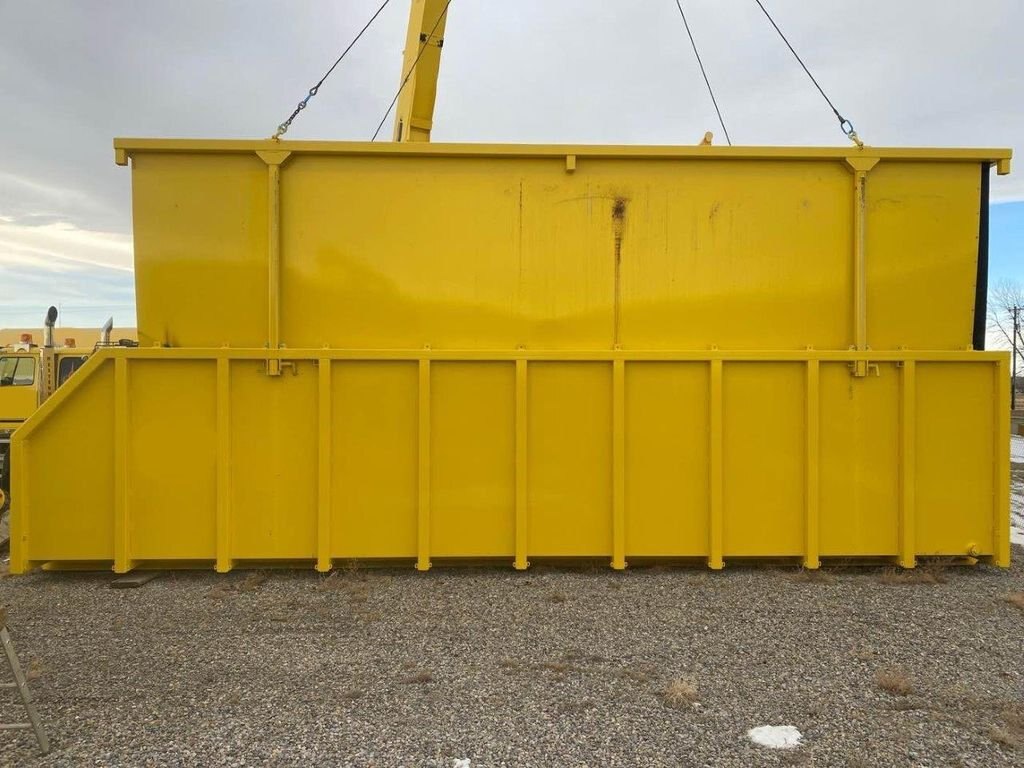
(273, 462)
(472, 459)
(955, 447)
(451, 252)
(859, 464)
(172, 459)
(493, 252)
(200, 226)
(702, 243)
(922, 244)
(375, 444)
(933, 420)
(71, 476)
(570, 459)
(667, 455)
(763, 459)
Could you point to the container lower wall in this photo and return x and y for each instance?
(200, 456)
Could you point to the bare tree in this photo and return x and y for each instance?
(1003, 297)
(1005, 318)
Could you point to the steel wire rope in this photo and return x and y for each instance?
(845, 125)
(700, 63)
(283, 127)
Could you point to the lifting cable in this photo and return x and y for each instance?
(844, 124)
(283, 127)
(424, 42)
(700, 63)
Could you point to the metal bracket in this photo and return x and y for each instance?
(863, 368)
(276, 367)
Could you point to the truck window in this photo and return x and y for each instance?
(67, 366)
(17, 371)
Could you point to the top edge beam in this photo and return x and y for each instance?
(125, 147)
(567, 355)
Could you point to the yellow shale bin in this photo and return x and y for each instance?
(471, 351)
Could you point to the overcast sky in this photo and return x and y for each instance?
(75, 74)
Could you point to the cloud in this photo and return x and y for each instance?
(85, 296)
(87, 274)
(30, 202)
(29, 191)
(57, 246)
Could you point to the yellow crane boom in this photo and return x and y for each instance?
(421, 63)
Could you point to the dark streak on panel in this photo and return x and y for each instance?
(618, 227)
(520, 235)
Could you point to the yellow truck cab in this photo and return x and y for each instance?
(26, 382)
(18, 394)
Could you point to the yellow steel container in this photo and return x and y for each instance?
(453, 351)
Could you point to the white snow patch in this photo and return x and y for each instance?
(1017, 493)
(461, 762)
(1017, 516)
(1017, 449)
(776, 736)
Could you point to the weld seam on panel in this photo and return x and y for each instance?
(619, 465)
(223, 408)
(324, 461)
(908, 459)
(423, 459)
(812, 464)
(715, 560)
(522, 486)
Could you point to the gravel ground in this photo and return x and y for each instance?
(547, 668)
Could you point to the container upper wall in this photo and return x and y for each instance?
(485, 247)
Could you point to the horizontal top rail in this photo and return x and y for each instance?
(568, 355)
(125, 147)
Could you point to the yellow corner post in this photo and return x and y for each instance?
(860, 166)
(423, 476)
(324, 464)
(222, 408)
(122, 474)
(521, 458)
(274, 161)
